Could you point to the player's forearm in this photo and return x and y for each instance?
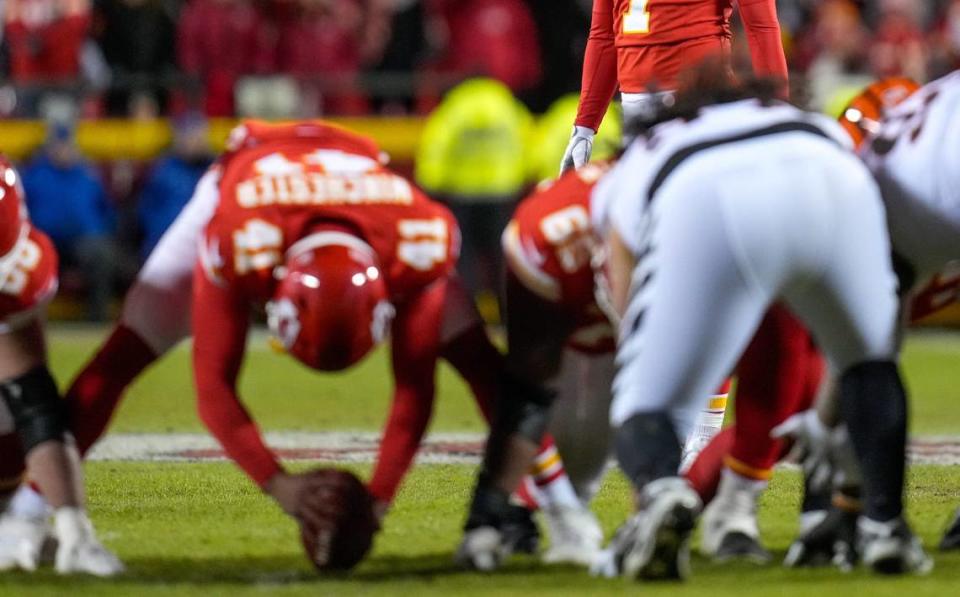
(238, 435)
(599, 80)
(764, 38)
(401, 439)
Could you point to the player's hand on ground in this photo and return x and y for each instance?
(811, 445)
(482, 548)
(578, 149)
(285, 489)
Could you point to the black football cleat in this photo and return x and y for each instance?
(951, 539)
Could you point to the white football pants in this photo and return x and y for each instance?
(732, 230)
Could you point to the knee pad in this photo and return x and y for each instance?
(39, 413)
(648, 448)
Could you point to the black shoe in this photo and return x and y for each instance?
(951, 539)
(830, 542)
(654, 544)
(891, 547)
(519, 531)
(741, 546)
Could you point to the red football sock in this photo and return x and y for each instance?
(778, 376)
(95, 393)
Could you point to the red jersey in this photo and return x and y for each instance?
(28, 278)
(275, 193)
(652, 22)
(548, 247)
(277, 185)
(638, 43)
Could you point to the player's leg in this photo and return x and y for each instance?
(580, 422)
(852, 311)
(41, 421)
(691, 313)
(708, 421)
(773, 383)
(536, 334)
(155, 317)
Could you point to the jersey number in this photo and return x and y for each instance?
(256, 246)
(636, 21)
(25, 261)
(568, 231)
(423, 243)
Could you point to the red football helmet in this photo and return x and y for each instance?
(330, 307)
(12, 213)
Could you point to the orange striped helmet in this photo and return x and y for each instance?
(862, 115)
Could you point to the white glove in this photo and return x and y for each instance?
(481, 549)
(811, 442)
(79, 551)
(578, 149)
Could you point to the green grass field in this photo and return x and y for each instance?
(202, 528)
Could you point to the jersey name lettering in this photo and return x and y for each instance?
(324, 189)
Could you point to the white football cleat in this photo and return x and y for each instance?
(482, 549)
(575, 535)
(654, 544)
(730, 529)
(891, 547)
(79, 550)
(22, 540)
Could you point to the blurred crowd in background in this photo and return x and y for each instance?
(61, 60)
(302, 58)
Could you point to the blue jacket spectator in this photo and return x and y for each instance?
(67, 200)
(168, 188)
(170, 185)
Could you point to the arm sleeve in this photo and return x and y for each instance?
(416, 339)
(220, 322)
(763, 36)
(599, 80)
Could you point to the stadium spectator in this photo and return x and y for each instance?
(67, 201)
(137, 40)
(320, 41)
(220, 40)
(170, 184)
(898, 47)
(45, 39)
(946, 41)
(492, 38)
(834, 51)
(472, 155)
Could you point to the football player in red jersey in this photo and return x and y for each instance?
(561, 346)
(33, 417)
(641, 46)
(156, 312)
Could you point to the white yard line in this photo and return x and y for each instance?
(360, 446)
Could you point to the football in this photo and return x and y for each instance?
(338, 523)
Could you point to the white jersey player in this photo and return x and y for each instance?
(709, 219)
(916, 159)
